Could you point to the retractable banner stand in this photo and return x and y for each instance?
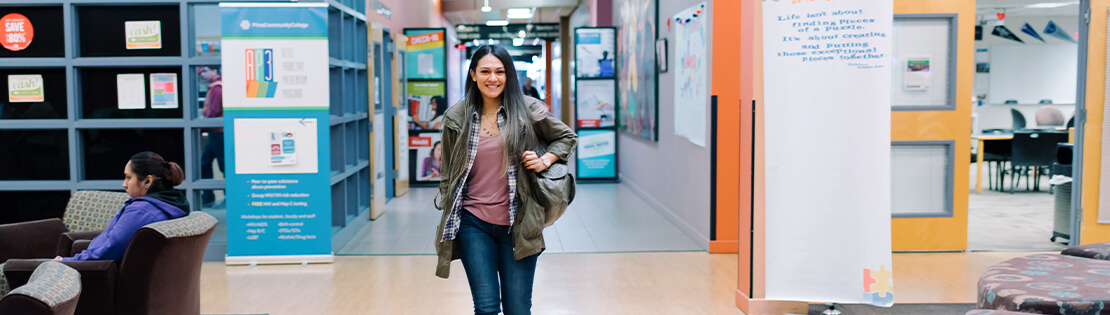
(275, 61)
(827, 66)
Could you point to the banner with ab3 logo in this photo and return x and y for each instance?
(269, 57)
(276, 132)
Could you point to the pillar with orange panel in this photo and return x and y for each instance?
(729, 158)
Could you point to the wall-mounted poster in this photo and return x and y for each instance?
(16, 32)
(425, 152)
(691, 73)
(636, 68)
(594, 52)
(596, 104)
(918, 75)
(597, 154)
(131, 91)
(25, 88)
(427, 103)
(425, 54)
(143, 34)
(163, 90)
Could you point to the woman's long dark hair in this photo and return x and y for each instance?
(166, 174)
(517, 135)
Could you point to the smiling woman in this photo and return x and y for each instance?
(491, 221)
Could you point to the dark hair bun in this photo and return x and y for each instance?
(173, 174)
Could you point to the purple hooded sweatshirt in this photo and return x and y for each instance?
(136, 213)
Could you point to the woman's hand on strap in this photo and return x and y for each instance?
(538, 163)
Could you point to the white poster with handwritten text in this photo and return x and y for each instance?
(827, 72)
(691, 76)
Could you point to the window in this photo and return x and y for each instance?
(47, 39)
(108, 150)
(31, 154)
(206, 30)
(100, 94)
(921, 178)
(23, 206)
(103, 30)
(53, 93)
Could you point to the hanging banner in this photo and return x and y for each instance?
(425, 53)
(276, 98)
(691, 75)
(834, 244)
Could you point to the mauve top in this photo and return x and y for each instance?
(487, 188)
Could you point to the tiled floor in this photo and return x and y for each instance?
(602, 218)
(1000, 221)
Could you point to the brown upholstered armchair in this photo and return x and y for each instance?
(52, 289)
(159, 272)
(87, 213)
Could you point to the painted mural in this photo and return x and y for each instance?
(636, 67)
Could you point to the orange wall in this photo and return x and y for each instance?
(726, 64)
(936, 234)
(730, 193)
(1092, 231)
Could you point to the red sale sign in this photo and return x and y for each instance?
(15, 32)
(420, 142)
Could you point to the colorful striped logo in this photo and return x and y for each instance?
(260, 73)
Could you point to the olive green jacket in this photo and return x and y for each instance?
(528, 228)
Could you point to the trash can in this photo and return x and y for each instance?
(1061, 223)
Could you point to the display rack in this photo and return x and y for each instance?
(595, 104)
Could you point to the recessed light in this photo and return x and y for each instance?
(1050, 5)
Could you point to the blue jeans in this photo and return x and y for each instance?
(487, 252)
(213, 150)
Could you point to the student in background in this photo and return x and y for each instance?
(214, 147)
(149, 180)
(529, 89)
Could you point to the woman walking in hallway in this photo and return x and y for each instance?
(489, 165)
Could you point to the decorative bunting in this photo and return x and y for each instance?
(1002, 31)
(1055, 31)
(1028, 29)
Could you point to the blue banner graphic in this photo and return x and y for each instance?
(278, 183)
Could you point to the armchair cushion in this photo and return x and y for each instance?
(67, 242)
(90, 210)
(1093, 251)
(33, 239)
(53, 288)
(98, 281)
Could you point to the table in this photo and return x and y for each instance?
(979, 156)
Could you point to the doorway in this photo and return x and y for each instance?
(1027, 90)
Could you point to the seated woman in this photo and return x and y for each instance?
(149, 180)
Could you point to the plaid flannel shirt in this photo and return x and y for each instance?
(452, 227)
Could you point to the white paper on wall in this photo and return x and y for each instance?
(131, 91)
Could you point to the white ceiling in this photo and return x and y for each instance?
(989, 8)
(469, 11)
(539, 15)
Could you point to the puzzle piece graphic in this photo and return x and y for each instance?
(883, 280)
(867, 280)
(876, 299)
